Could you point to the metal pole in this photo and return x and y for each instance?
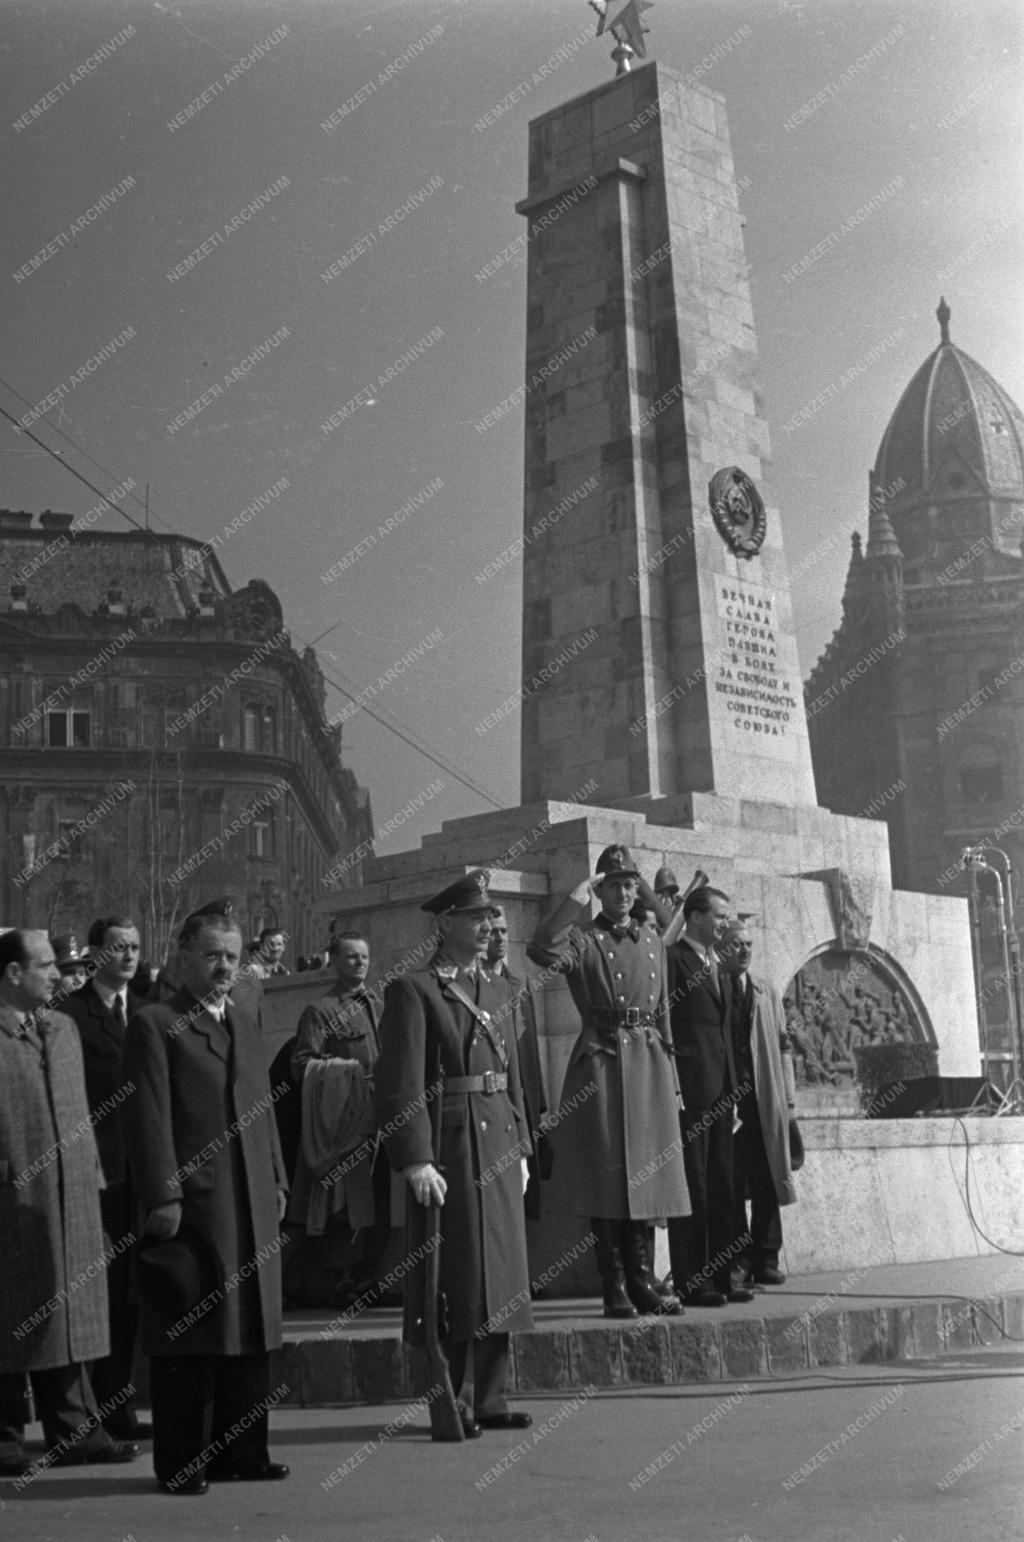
(1011, 951)
(973, 907)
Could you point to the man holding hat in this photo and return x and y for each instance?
(617, 1154)
(450, 1111)
(203, 1148)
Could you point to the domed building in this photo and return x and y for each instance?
(916, 707)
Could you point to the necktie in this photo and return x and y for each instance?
(118, 1009)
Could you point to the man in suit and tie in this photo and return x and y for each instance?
(100, 1011)
(203, 1149)
(700, 1245)
(528, 1045)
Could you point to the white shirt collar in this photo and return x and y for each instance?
(108, 996)
(707, 954)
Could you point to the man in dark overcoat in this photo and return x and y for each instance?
(701, 1244)
(450, 1113)
(53, 1299)
(100, 1010)
(203, 1148)
(528, 1045)
(616, 1140)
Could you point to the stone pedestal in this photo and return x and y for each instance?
(770, 859)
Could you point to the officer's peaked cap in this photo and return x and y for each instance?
(467, 893)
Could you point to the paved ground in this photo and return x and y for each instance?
(857, 1456)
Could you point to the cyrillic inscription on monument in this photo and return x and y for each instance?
(756, 689)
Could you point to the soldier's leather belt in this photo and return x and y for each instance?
(608, 1019)
(489, 1081)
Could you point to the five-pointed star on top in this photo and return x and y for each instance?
(628, 25)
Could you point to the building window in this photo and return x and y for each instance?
(263, 835)
(251, 730)
(71, 838)
(268, 734)
(980, 785)
(69, 729)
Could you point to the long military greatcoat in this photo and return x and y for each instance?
(478, 1146)
(53, 1293)
(199, 1127)
(616, 1142)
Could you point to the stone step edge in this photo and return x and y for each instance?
(320, 1372)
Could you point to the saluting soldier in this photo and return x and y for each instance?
(450, 1112)
(617, 1147)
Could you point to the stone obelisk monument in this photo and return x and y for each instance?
(642, 385)
(660, 674)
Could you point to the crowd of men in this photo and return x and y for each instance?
(154, 1176)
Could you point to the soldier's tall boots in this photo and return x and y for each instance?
(639, 1284)
(610, 1267)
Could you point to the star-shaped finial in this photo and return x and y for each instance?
(627, 28)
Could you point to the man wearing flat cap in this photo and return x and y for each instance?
(617, 1154)
(203, 1148)
(450, 1112)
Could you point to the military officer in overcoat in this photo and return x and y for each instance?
(203, 1148)
(616, 1137)
(450, 1113)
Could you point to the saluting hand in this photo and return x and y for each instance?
(426, 1183)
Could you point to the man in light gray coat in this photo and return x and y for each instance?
(762, 1167)
(53, 1295)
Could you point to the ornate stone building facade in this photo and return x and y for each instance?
(916, 707)
(163, 740)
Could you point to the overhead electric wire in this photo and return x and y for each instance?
(56, 429)
(400, 733)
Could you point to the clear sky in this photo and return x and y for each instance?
(897, 121)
